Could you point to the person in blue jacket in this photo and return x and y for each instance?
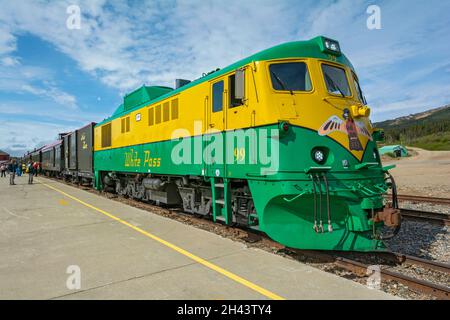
(19, 170)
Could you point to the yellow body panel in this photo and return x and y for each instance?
(263, 105)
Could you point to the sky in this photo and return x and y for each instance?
(55, 78)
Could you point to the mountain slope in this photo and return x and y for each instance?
(428, 130)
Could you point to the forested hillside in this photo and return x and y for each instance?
(428, 130)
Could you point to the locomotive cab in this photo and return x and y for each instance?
(331, 177)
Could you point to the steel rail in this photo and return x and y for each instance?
(427, 216)
(433, 265)
(405, 197)
(361, 269)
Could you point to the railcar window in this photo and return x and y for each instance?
(358, 89)
(128, 124)
(290, 76)
(336, 80)
(158, 114)
(106, 135)
(231, 88)
(218, 96)
(174, 109)
(151, 117)
(166, 111)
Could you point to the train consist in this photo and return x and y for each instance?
(280, 142)
(70, 157)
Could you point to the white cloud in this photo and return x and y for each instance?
(7, 40)
(17, 137)
(413, 101)
(400, 66)
(48, 111)
(158, 41)
(126, 47)
(17, 78)
(408, 29)
(9, 61)
(61, 97)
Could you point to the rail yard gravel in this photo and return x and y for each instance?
(422, 240)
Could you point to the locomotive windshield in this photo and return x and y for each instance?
(336, 80)
(290, 76)
(358, 89)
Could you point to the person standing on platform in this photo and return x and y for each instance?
(19, 170)
(35, 168)
(30, 172)
(12, 172)
(3, 171)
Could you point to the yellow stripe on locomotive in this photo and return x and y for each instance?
(263, 105)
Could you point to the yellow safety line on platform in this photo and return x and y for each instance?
(202, 261)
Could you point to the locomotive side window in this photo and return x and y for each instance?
(218, 96)
(336, 80)
(290, 76)
(166, 111)
(151, 117)
(125, 124)
(106, 135)
(234, 102)
(158, 114)
(174, 109)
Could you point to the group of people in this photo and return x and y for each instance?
(32, 168)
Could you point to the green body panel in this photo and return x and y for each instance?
(120, 109)
(144, 94)
(283, 194)
(291, 223)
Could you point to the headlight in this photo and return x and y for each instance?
(319, 156)
(330, 46)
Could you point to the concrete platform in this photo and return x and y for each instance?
(128, 253)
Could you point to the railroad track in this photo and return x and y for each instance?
(387, 272)
(426, 216)
(404, 197)
(433, 265)
(418, 285)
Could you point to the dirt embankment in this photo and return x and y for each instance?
(424, 173)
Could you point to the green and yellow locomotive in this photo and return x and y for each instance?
(280, 142)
